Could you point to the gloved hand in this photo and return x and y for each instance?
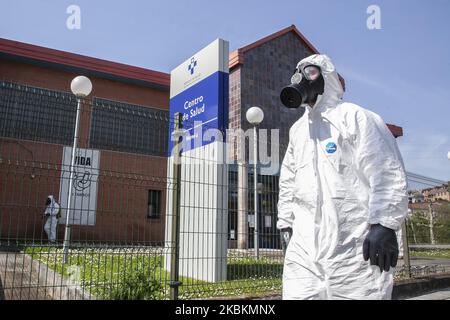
(381, 247)
(286, 235)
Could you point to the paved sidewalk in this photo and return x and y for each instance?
(18, 279)
(22, 278)
(426, 261)
(436, 295)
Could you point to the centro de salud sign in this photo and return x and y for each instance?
(199, 90)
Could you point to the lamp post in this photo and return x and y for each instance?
(81, 87)
(255, 116)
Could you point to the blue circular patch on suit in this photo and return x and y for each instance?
(331, 147)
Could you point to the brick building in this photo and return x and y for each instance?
(125, 117)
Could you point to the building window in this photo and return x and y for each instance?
(129, 128)
(36, 114)
(154, 204)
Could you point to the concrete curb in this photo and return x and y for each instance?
(408, 288)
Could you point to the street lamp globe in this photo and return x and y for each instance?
(81, 86)
(448, 155)
(255, 115)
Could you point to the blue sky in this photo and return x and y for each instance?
(401, 71)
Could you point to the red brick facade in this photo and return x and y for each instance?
(31, 170)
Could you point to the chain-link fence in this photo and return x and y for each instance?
(135, 225)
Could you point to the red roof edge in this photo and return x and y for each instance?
(58, 57)
(396, 130)
(236, 57)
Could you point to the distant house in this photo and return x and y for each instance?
(437, 193)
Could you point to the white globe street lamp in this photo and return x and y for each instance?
(448, 155)
(255, 116)
(81, 87)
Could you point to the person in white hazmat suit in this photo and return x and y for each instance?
(343, 193)
(51, 213)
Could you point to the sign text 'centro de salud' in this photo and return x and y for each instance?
(199, 91)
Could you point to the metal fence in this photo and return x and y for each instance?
(120, 216)
(139, 229)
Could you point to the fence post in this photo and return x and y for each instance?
(176, 178)
(406, 259)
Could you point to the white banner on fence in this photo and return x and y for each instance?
(84, 191)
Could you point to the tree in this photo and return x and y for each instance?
(420, 224)
(443, 223)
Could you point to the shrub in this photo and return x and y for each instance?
(137, 283)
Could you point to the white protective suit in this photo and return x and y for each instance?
(342, 172)
(52, 221)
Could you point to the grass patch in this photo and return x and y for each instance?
(138, 273)
(435, 253)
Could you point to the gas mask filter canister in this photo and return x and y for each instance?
(306, 84)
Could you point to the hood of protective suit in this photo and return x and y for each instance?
(333, 90)
(53, 207)
(52, 199)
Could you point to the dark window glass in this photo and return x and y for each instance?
(232, 203)
(154, 204)
(129, 128)
(36, 114)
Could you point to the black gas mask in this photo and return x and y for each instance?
(306, 84)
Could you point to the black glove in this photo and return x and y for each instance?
(286, 235)
(381, 247)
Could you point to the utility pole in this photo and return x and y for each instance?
(413, 231)
(406, 259)
(431, 218)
